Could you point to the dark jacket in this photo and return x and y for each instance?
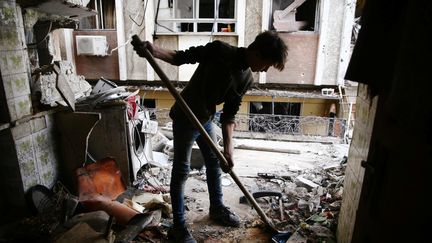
(222, 76)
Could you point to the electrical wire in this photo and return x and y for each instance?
(142, 21)
(163, 26)
(132, 27)
(119, 46)
(156, 22)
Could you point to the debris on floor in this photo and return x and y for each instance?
(303, 199)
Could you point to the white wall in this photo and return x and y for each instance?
(184, 42)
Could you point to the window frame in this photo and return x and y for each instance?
(195, 20)
(100, 17)
(273, 104)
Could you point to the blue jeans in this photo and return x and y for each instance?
(184, 137)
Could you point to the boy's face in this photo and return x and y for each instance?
(260, 65)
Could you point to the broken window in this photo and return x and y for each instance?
(275, 108)
(106, 18)
(294, 15)
(196, 16)
(280, 117)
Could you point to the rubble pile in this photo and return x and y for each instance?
(310, 202)
(308, 206)
(304, 202)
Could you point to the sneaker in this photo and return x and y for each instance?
(224, 216)
(180, 235)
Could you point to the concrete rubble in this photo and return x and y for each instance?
(46, 85)
(308, 179)
(310, 202)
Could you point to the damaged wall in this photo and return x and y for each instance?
(318, 51)
(15, 102)
(27, 137)
(310, 107)
(319, 57)
(354, 173)
(395, 63)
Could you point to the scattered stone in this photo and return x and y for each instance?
(300, 181)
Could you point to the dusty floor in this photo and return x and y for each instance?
(205, 230)
(248, 163)
(309, 209)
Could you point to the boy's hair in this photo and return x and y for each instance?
(271, 47)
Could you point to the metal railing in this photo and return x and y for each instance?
(273, 125)
(291, 125)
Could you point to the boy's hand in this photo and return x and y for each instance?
(140, 46)
(227, 167)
